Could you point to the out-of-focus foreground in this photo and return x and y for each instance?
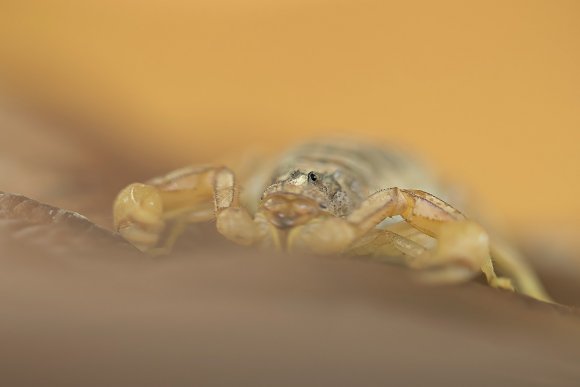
(98, 94)
(80, 307)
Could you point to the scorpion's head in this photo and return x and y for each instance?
(296, 197)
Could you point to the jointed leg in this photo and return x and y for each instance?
(151, 216)
(423, 211)
(460, 243)
(463, 246)
(381, 245)
(446, 263)
(510, 262)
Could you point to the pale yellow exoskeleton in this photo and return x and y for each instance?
(331, 197)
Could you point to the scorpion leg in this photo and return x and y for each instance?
(445, 263)
(508, 260)
(152, 216)
(463, 246)
(385, 246)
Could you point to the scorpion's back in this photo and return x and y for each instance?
(368, 167)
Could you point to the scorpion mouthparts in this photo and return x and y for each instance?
(286, 210)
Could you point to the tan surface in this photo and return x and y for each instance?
(487, 90)
(79, 308)
(77, 311)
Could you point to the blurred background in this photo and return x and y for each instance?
(96, 94)
(488, 92)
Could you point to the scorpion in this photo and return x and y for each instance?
(335, 196)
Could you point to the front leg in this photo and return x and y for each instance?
(462, 244)
(151, 216)
(427, 215)
(443, 264)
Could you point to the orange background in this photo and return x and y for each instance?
(489, 91)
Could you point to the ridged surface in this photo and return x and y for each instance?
(26, 221)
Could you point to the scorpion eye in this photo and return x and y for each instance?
(312, 176)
